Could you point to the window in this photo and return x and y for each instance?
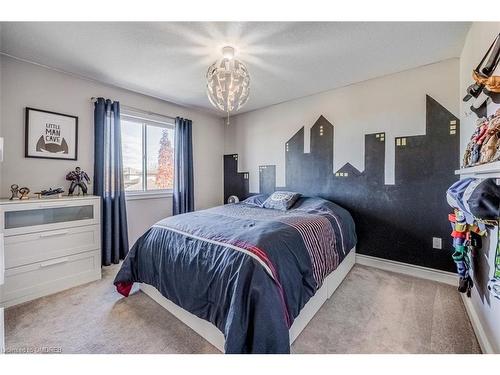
(148, 154)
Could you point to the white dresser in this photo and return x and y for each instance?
(48, 245)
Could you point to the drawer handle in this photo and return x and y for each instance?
(53, 262)
(53, 234)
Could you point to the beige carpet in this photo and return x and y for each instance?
(373, 311)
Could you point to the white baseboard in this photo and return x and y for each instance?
(408, 269)
(481, 335)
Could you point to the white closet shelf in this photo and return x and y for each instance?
(489, 170)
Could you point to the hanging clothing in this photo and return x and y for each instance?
(476, 204)
(494, 283)
(108, 181)
(183, 167)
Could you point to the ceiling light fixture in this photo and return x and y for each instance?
(228, 83)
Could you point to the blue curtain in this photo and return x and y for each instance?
(108, 180)
(183, 169)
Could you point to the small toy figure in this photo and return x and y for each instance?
(78, 179)
(50, 193)
(24, 191)
(14, 190)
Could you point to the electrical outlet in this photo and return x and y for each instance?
(437, 243)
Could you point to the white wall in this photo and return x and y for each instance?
(394, 104)
(479, 38)
(28, 85)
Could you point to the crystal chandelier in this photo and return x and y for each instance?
(228, 83)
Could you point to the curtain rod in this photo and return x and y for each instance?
(94, 99)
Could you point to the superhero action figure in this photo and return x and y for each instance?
(79, 179)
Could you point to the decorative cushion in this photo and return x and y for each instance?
(281, 200)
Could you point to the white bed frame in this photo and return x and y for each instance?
(212, 334)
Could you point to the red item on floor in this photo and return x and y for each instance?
(124, 288)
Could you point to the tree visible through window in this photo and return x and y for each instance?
(148, 154)
(165, 175)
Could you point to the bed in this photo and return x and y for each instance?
(246, 278)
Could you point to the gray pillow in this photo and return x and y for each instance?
(281, 200)
(256, 200)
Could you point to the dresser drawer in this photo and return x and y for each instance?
(39, 279)
(37, 215)
(36, 247)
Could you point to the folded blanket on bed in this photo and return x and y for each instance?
(246, 269)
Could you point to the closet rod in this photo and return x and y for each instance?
(135, 109)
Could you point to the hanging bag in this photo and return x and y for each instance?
(474, 90)
(484, 76)
(485, 83)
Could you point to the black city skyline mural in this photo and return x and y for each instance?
(395, 222)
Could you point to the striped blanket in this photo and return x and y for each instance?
(317, 228)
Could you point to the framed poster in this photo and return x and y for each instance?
(51, 135)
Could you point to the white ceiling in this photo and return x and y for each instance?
(286, 60)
